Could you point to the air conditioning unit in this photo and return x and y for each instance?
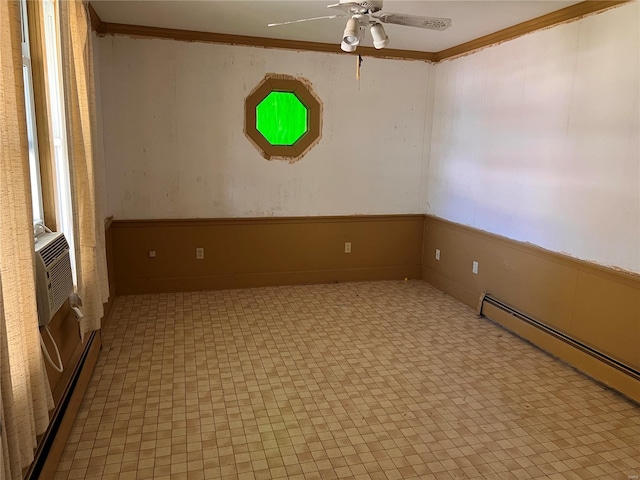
(54, 280)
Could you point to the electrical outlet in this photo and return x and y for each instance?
(347, 247)
(199, 253)
(152, 254)
(437, 254)
(474, 269)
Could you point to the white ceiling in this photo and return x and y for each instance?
(471, 18)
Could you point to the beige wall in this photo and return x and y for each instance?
(173, 116)
(538, 139)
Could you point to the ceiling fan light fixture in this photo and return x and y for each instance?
(365, 14)
(347, 47)
(351, 34)
(380, 38)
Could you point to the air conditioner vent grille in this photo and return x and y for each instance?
(53, 250)
(61, 281)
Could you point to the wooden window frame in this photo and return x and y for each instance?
(35, 13)
(302, 89)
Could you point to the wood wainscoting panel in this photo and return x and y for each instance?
(595, 305)
(537, 284)
(240, 253)
(48, 459)
(110, 270)
(607, 316)
(66, 333)
(584, 362)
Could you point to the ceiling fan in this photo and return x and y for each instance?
(367, 13)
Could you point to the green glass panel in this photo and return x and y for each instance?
(281, 118)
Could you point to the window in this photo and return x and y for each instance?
(64, 209)
(283, 118)
(34, 161)
(55, 115)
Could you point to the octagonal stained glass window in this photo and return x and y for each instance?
(283, 118)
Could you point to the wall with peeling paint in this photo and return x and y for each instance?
(173, 118)
(537, 139)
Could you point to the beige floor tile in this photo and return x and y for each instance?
(377, 380)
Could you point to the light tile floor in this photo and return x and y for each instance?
(380, 380)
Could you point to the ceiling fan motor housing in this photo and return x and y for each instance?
(363, 6)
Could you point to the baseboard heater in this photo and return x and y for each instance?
(486, 298)
(40, 456)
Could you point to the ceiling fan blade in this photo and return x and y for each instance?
(326, 17)
(349, 7)
(431, 23)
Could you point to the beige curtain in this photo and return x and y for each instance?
(87, 171)
(25, 396)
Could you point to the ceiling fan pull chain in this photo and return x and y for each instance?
(358, 65)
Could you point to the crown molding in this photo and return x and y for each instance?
(96, 22)
(263, 42)
(564, 15)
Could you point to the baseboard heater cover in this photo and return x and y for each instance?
(486, 298)
(58, 414)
